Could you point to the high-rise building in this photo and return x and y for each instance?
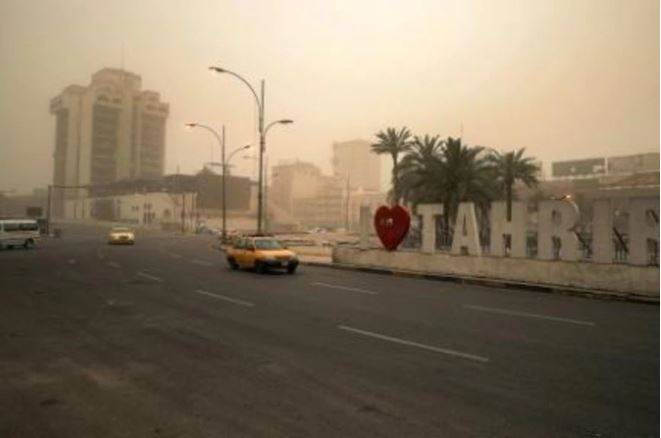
(357, 165)
(108, 131)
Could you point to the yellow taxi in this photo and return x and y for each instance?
(261, 253)
(121, 235)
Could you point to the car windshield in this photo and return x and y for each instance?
(268, 244)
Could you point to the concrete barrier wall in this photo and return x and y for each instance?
(616, 278)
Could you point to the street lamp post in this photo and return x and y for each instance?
(223, 164)
(262, 136)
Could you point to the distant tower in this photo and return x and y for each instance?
(108, 131)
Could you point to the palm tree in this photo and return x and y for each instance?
(510, 167)
(420, 171)
(393, 142)
(466, 177)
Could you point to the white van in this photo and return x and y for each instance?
(18, 232)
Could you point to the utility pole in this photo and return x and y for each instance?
(48, 203)
(224, 181)
(183, 212)
(263, 129)
(266, 186)
(346, 218)
(224, 164)
(262, 143)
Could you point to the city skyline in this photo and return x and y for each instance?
(564, 80)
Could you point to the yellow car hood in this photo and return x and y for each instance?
(275, 253)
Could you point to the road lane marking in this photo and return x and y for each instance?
(150, 277)
(224, 298)
(414, 344)
(350, 289)
(202, 262)
(528, 315)
(174, 255)
(113, 265)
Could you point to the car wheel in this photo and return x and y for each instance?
(233, 264)
(27, 244)
(291, 269)
(260, 268)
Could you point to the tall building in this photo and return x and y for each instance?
(357, 165)
(110, 130)
(293, 180)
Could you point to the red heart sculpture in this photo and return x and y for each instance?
(391, 224)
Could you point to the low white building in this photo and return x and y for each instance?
(161, 209)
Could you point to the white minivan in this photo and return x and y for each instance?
(18, 232)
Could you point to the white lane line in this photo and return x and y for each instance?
(351, 289)
(528, 315)
(224, 298)
(414, 344)
(150, 277)
(113, 265)
(202, 262)
(174, 255)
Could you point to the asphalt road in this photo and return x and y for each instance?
(162, 339)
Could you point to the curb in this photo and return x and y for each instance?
(488, 282)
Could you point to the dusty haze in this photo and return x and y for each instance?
(566, 79)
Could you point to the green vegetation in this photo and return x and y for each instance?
(431, 170)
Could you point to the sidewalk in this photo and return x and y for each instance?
(483, 281)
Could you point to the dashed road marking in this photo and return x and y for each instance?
(202, 262)
(148, 276)
(350, 289)
(174, 255)
(224, 298)
(528, 315)
(113, 265)
(414, 344)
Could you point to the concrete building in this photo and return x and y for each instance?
(602, 167)
(293, 180)
(108, 131)
(630, 164)
(175, 211)
(325, 208)
(302, 196)
(355, 163)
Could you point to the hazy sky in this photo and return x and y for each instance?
(564, 78)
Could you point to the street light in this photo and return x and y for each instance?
(223, 163)
(229, 158)
(262, 136)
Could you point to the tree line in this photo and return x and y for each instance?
(431, 169)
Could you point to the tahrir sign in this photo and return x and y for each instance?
(557, 222)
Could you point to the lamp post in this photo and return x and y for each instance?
(223, 164)
(259, 99)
